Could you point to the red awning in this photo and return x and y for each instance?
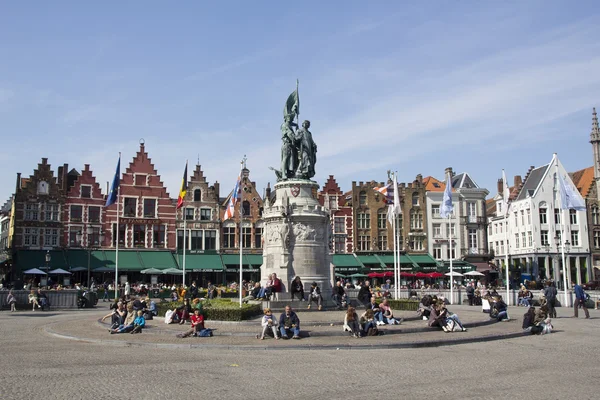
(406, 275)
(435, 275)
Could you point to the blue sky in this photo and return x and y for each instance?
(478, 86)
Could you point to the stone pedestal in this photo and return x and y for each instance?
(296, 237)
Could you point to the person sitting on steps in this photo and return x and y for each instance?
(289, 323)
(351, 323)
(339, 296)
(315, 295)
(197, 324)
(138, 323)
(368, 323)
(268, 322)
(297, 289)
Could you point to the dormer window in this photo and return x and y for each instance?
(86, 192)
(42, 188)
(140, 179)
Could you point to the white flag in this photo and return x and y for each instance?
(570, 199)
(506, 193)
(447, 207)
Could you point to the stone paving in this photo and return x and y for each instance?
(38, 364)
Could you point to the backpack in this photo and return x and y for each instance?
(206, 332)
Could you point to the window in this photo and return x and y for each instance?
(93, 214)
(382, 219)
(522, 217)
(499, 208)
(364, 221)
(497, 247)
(362, 198)
(416, 244)
(246, 237)
(450, 254)
(502, 247)
(595, 216)
(246, 208)
(523, 239)
(556, 216)
(86, 191)
(338, 225)
(51, 237)
(205, 214)
(76, 213)
(573, 217)
(42, 188)
(139, 235)
(516, 219)
(415, 199)
(471, 209)
(333, 202)
(450, 229)
(437, 253)
(229, 237)
(210, 239)
(197, 195)
(473, 238)
(416, 220)
(530, 239)
(516, 240)
(30, 237)
(73, 236)
(31, 212)
(435, 211)
(180, 239)
(544, 238)
(597, 239)
(114, 234)
(52, 212)
(437, 230)
(196, 240)
(364, 243)
(130, 207)
(149, 208)
(501, 224)
(574, 238)
(558, 238)
(158, 236)
(543, 217)
(189, 213)
(528, 216)
(339, 244)
(140, 179)
(489, 230)
(496, 228)
(258, 238)
(382, 242)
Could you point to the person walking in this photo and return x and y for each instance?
(550, 293)
(580, 299)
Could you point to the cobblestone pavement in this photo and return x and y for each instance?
(37, 364)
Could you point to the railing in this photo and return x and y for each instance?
(473, 251)
(472, 219)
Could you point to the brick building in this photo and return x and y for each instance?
(332, 198)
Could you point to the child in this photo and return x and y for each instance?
(33, 299)
(10, 299)
(268, 322)
(197, 320)
(139, 322)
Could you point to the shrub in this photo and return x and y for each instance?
(218, 309)
(404, 304)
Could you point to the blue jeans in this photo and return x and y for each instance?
(502, 315)
(369, 324)
(454, 317)
(285, 332)
(378, 316)
(524, 302)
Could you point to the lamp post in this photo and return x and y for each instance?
(89, 248)
(48, 259)
(547, 248)
(567, 269)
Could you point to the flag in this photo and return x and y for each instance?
(447, 208)
(570, 199)
(387, 191)
(393, 200)
(292, 105)
(183, 189)
(230, 210)
(114, 187)
(505, 193)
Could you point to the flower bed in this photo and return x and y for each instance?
(404, 304)
(218, 309)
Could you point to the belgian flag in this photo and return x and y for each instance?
(183, 189)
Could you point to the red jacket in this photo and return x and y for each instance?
(197, 320)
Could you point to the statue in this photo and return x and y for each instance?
(289, 150)
(307, 152)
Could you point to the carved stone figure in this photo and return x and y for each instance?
(284, 233)
(289, 151)
(307, 152)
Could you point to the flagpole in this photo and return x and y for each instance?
(450, 256)
(184, 241)
(395, 248)
(117, 246)
(562, 235)
(504, 196)
(397, 251)
(241, 203)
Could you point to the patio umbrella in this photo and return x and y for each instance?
(172, 271)
(435, 275)
(34, 271)
(473, 273)
(406, 275)
(453, 274)
(78, 269)
(104, 269)
(421, 275)
(59, 271)
(340, 275)
(152, 271)
(375, 275)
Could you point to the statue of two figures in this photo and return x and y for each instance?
(298, 150)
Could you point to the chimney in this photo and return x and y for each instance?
(268, 191)
(420, 178)
(518, 181)
(59, 178)
(18, 187)
(216, 186)
(500, 186)
(449, 172)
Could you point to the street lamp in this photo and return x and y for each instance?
(48, 259)
(89, 248)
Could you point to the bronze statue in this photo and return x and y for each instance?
(307, 152)
(289, 150)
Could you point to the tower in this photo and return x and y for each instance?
(595, 141)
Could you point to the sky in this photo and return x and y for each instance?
(388, 85)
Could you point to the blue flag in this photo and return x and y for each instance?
(447, 208)
(114, 187)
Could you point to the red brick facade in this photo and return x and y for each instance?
(332, 198)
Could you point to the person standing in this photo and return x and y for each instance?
(10, 299)
(550, 293)
(193, 291)
(470, 293)
(580, 299)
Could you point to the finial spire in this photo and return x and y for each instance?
(595, 127)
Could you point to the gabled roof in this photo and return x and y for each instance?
(490, 206)
(532, 182)
(463, 181)
(433, 185)
(583, 180)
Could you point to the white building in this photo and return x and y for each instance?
(467, 224)
(531, 233)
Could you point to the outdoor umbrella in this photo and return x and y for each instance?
(421, 275)
(172, 271)
(340, 275)
(375, 275)
(59, 271)
(104, 269)
(453, 274)
(78, 269)
(435, 275)
(473, 273)
(406, 275)
(388, 274)
(152, 271)
(357, 276)
(34, 271)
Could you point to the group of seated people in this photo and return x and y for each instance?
(525, 297)
(273, 285)
(537, 322)
(38, 299)
(433, 310)
(288, 324)
(130, 315)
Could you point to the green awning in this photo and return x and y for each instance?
(371, 260)
(458, 266)
(255, 260)
(388, 260)
(157, 259)
(79, 258)
(231, 259)
(128, 260)
(203, 263)
(232, 262)
(27, 259)
(423, 259)
(345, 260)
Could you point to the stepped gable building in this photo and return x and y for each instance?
(202, 212)
(147, 213)
(333, 199)
(83, 212)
